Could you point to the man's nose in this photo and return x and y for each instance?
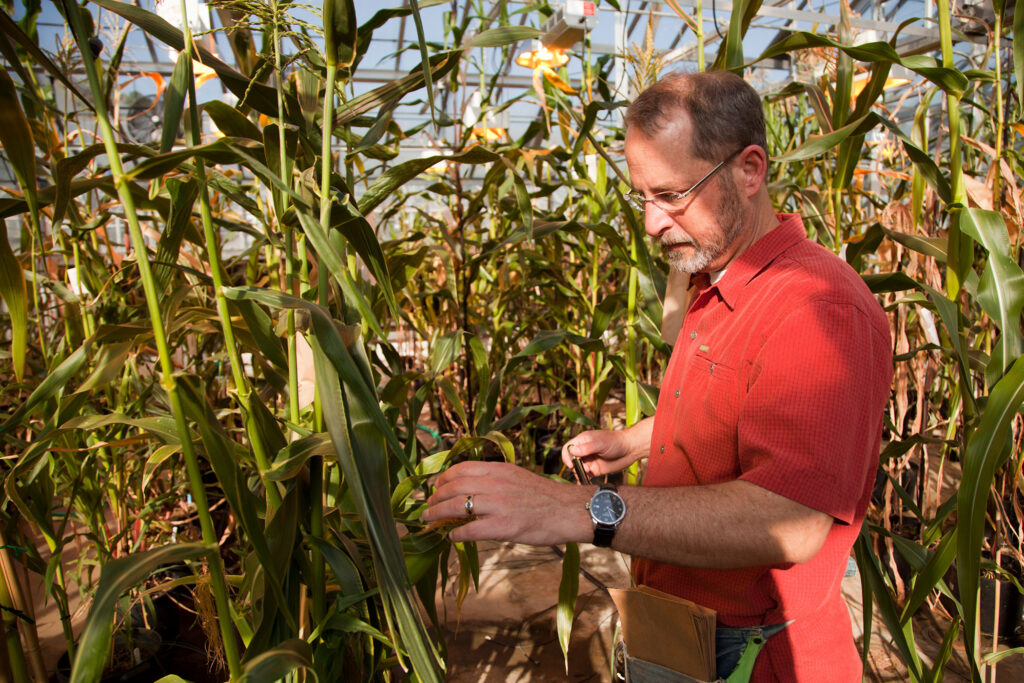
(656, 221)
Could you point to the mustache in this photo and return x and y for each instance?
(667, 241)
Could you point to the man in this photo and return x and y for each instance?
(765, 441)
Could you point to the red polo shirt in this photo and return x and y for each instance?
(779, 376)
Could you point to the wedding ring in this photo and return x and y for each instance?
(469, 506)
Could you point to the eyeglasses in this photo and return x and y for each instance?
(672, 200)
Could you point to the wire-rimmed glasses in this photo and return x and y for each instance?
(672, 200)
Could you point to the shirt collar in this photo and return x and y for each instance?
(751, 262)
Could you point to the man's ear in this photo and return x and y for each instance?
(753, 163)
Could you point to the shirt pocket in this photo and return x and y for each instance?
(720, 401)
(717, 371)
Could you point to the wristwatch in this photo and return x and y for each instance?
(607, 510)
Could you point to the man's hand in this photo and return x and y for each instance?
(607, 451)
(510, 503)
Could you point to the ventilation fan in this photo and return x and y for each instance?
(141, 119)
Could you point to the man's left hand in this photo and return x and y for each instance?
(510, 503)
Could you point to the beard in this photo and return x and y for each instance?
(729, 221)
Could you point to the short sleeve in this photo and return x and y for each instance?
(811, 419)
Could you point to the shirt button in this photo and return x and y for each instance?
(693, 335)
(662, 449)
(677, 393)
(712, 367)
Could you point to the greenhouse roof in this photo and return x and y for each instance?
(630, 35)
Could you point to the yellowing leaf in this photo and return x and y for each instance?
(555, 80)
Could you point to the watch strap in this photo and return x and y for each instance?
(603, 535)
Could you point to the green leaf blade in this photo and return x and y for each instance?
(14, 293)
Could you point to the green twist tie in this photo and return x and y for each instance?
(18, 548)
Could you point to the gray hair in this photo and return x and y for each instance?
(724, 110)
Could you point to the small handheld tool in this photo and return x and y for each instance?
(581, 473)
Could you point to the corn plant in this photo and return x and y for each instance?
(152, 388)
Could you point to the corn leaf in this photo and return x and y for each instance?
(439, 65)
(522, 199)
(445, 348)
(361, 237)
(935, 674)
(109, 365)
(261, 327)
(174, 101)
(14, 294)
(930, 574)
(218, 152)
(331, 254)
(116, 577)
(994, 657)
(502, 35)
(232, 122)
(162, 428)
(817, 145)
(428, 78)
(340, 31)
(395, 177)
(987, 448)
(949, 79)
(730, 54)
(568, 589)
(360, 447)
(929, 246)
(183, 196)
(10, 28)
(902, 634)
(421, 554)
(28, 482)
(843, 82)
(381, 17)
(67, 168)
(279, 662)
(345, 571)
(1001, 291)
(16, 138)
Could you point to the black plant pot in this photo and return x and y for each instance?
(145, 669)
(1011, 607)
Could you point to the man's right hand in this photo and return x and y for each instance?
(605, 451)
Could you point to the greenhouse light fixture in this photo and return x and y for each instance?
(563, 29)
(543, 56)
(569, 24)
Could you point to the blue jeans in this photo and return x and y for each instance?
(729, 646)
(730, 643)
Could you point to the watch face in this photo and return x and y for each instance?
(607, 507)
